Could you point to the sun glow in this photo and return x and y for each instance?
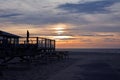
(59, 32)
(61, 37)
(59, 29)
(59, 26)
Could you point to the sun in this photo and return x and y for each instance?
(61, 37)
(60, 32)
(59, 29)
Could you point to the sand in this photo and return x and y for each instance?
(81, 66)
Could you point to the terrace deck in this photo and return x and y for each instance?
(26, 48)
(35, 46)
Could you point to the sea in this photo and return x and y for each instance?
(91, 50)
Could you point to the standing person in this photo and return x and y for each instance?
(28, 37)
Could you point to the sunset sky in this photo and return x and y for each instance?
(72, 23)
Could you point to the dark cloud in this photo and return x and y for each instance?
(48, 19)
(97, 35)
(68, 39)
(105, 35)
(87, 35)
(111, 40)
(88, 7)
(86, 40)
(9, 15)
(103, 29)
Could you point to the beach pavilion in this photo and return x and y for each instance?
(8, 39)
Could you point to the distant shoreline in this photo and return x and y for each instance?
(91, 50)
(87, 48)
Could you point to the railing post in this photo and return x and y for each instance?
(37, 41)
(50, 44)
(45, 43)
(54, 45)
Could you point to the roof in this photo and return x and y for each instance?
(6, 34)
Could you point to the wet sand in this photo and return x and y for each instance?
(82, 66)
(91, 67)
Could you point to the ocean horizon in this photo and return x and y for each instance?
(88, 50)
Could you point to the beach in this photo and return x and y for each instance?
(79, 66)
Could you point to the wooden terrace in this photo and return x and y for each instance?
(26, 48)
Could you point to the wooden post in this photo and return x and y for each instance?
(54, 45)
(37, 41)
(50, 44)
(45, 43)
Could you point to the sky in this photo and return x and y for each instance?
(72, 23)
